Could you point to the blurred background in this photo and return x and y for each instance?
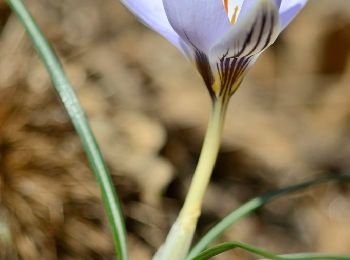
(289, 122)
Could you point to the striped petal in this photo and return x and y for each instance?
(231, 56)
(252, 33)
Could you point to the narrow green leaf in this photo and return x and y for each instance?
(221, 248)
(254, 204)
(224, 247)
(76, 113)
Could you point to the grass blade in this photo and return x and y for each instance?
(222, 248)
(76, 113)
(254, 204)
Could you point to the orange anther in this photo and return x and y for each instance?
(226, 5)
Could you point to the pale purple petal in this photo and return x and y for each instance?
(289, 9)
(199, 22)
(152, 14)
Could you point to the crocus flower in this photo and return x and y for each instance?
(222, 37)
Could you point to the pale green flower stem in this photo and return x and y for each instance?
(180, 236)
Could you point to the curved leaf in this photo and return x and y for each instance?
(222, 248)
(254, 204)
